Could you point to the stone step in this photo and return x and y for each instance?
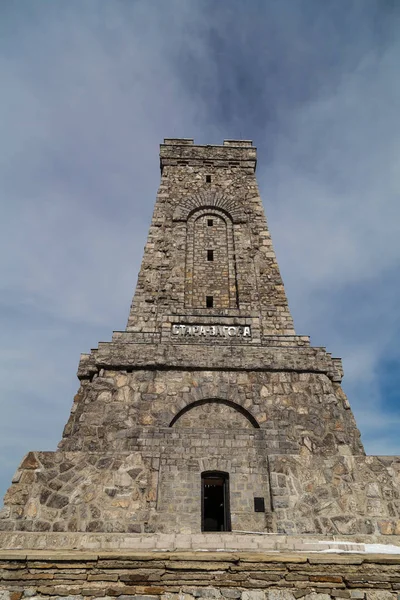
(229, 542)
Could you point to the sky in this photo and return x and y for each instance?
(88, 92)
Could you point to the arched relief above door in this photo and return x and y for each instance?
(214, 414)
(210, 199)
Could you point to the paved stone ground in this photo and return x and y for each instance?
(191, 542)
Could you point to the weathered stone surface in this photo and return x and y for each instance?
(279, 595)
(379, 595)
(5, 512)
(231, 594)
(253, 595)
(30, 461)
(212, 593)
(78, 574)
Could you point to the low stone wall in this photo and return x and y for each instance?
(189, 575)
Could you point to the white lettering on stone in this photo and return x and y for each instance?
(225, 331)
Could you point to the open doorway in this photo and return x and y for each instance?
(215, 511)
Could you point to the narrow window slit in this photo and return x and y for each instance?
(209, 301)
(210, 222)
(210, 254)
(208, 178)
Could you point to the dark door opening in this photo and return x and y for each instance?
(215, 514)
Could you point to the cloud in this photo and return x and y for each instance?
(88, 96)
(336, 187)
(90, 90)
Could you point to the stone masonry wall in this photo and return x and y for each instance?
(300, 412)
(233, 189)
(156, 487)
(191, 575)
(77, 491)
(213, 415)
(139, 490)
(231, 355)
(216, 277)
(340, 494)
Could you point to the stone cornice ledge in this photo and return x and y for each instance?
(175, 356)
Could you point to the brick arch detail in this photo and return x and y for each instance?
(188, 402)
(210, 199)
(208, 391)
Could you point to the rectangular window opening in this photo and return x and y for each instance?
(259, 505)
(209, 301)
(210, 254)
(208, 178)
(210, 222)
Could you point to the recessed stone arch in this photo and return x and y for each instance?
(210, 199)
(214, 413)
(203, 279)
(206, 390)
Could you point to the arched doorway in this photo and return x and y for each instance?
(215, 505)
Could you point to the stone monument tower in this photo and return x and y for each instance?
(208, 413)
